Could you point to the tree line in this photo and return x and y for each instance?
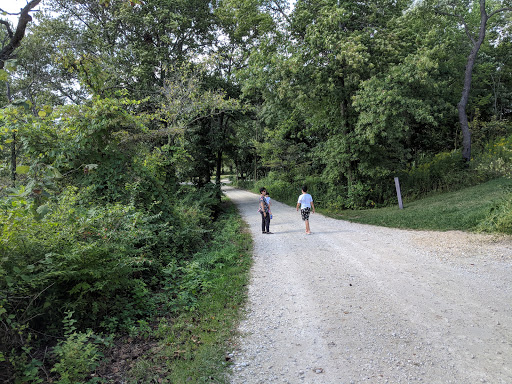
(352, 93)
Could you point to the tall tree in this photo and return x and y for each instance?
(330, 48)
(476, 35)
(131, 46)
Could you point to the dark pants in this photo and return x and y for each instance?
(265, 222)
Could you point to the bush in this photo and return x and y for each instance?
(496, 158)
(105, 263)
(78, 354)
(446, 171)
(499, 218)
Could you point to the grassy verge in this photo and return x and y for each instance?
(191, 348)
(464, 210)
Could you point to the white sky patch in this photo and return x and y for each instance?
(13, 6)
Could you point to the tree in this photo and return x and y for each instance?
(458, 10)
(196, 122)
(309, 76)
(131, 47)
(12, 42)
(15, 38)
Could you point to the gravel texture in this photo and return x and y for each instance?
(354, 303)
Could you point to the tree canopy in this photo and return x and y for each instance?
(351, 92)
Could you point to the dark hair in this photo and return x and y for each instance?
(262, 189)
(305, 188)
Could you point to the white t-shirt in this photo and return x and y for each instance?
(305, 200)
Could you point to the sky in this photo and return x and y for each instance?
(13, 6)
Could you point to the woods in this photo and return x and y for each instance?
(118, 119)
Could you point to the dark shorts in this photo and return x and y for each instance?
(305, 213)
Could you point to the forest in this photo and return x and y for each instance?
(119, 118)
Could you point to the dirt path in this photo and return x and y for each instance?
(361, 304)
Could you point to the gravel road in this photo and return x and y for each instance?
(355, 303)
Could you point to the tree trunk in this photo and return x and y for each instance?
(13, 144)
(461, 106)
(13, 160)
(219, 167)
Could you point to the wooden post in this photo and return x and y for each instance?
(398, 193)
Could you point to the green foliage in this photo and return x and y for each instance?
(499, 218)
(77, 355)
(104, 263)
(444, 172)
(244, 184)
(496, 158)
(194, 342)
(484, 132)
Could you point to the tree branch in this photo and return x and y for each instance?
(461, 20)
(19, 34)
(506, 9)
(8, 27)
(279, 9)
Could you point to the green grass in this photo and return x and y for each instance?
(192, 347)
(463, 210)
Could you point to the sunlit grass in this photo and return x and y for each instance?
(461, 210)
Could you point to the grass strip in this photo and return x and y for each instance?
(193, 345)
(461, 210)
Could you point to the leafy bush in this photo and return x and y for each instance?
(105, 263)
(244, 184)
(78, 354)
(446, 171)
(496, 158)
(499, 218)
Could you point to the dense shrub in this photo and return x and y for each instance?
(446, 171)
(500, 217)
(102, 262)
(496, 158)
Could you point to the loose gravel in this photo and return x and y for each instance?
(354, 303)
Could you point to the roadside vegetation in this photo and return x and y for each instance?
(130, 311)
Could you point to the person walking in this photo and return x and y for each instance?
(264, 210)
(305, 202)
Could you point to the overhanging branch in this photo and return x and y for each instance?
(19, 34)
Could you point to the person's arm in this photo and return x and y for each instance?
(313, 206)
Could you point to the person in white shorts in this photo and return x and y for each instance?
(306, 205)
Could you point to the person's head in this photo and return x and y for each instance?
(263, 190)
(266, 193)
(304, 188)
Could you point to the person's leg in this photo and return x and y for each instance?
(262, 222)
(267, 221)
(305, 218)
